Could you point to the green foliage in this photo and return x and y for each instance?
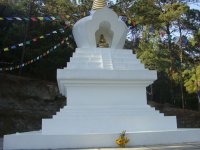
(58, 7)
(152, 54)
(192, 79)
(162, 53)
(145, 12)
(172, 12)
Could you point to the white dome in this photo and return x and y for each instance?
(103, 21)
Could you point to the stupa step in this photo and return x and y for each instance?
(105, 124)
(85, 59)
(100, 50)
(141, 77)
(103, 111)
(125, 60)
(75, 108)
(94, 114)
(98, 54)
(105, 65)
(115, 54)
(123, 54)
(84, 65)
(102, 108)
(116, 64)
(86, 56)
(128, 66)
(64, 113)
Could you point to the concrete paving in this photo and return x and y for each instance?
(183, 146)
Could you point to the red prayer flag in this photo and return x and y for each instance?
(33, 19)
(34, 40)
(133, 23)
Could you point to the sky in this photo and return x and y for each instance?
(191, 4)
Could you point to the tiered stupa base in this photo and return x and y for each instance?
(37, 140)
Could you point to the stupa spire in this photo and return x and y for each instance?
(98, 4)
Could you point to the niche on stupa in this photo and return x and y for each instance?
(104, 35)
(88, 30)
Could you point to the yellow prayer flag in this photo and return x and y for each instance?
(1, 18)
(40, 18)
(41, 37)
(129, 21)
(5, 49)
(67, 16)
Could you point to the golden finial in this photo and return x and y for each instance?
(98, 4)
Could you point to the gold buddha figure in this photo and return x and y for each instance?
(102, 42)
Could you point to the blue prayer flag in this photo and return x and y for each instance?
(9, 18)
(13, 47)
(47, 18)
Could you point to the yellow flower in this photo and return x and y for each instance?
(122, 140)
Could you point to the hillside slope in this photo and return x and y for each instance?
(24, 102)
(185, 118)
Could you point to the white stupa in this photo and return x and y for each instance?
(105, 86)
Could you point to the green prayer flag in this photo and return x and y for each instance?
(57, 17)
(28, 42)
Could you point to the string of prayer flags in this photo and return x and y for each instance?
(45, 18)
(36, 58)
(28, 42)
(34, 19)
